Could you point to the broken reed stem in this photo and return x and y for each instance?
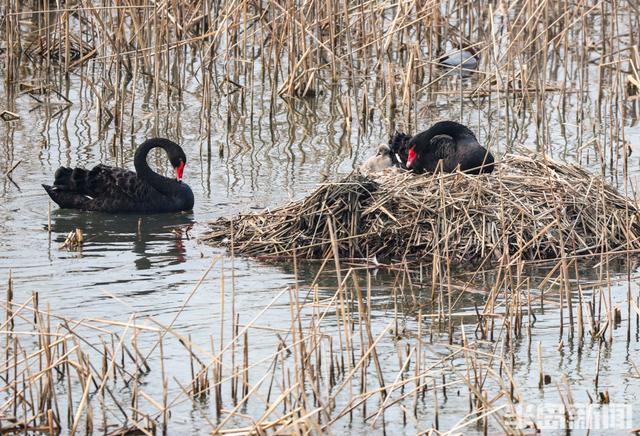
(403, 217)
(301, 377)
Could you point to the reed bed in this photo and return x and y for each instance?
(367, 60)
(561, 77)
(531, 208)
(312, 359)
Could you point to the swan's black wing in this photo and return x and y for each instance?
(112, 182)
(442, 146)
(101, 188)
(432, 151)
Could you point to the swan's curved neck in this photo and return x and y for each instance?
(161, 183)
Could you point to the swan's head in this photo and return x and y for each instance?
(178, 161)
(384, 150)
(176, 155)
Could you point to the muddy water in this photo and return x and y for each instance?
(153, 269)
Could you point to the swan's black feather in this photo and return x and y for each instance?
(111, 189)
(452, 143)
(399, 150)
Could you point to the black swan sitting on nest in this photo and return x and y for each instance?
(111, 189)
(448, 141)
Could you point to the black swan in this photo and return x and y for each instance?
(448, 141)
(111, 189)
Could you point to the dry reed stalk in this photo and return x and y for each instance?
(383, 60)
(542, 214)
(487, 373)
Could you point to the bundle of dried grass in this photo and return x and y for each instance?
(529, 208)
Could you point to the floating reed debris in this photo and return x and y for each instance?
(531, 208)
(9, 116)
(73, 241)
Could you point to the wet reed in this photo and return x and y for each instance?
(563, 73)
(366, 60)
(329, 364)
(531, 208)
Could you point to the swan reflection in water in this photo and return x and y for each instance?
(156, 239)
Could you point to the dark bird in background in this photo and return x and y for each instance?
(447, 141)
(111, 189)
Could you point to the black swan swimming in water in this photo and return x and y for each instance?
(111, 189)
(448, 141)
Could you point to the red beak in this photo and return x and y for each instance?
(411, 158)
(179, 172)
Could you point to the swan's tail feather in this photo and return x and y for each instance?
(71, 188)
(73, 180)
(67, 199)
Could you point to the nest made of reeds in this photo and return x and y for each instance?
(529, 208)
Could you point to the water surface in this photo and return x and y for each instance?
(153, 269)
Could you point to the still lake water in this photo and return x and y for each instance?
(142, 268)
